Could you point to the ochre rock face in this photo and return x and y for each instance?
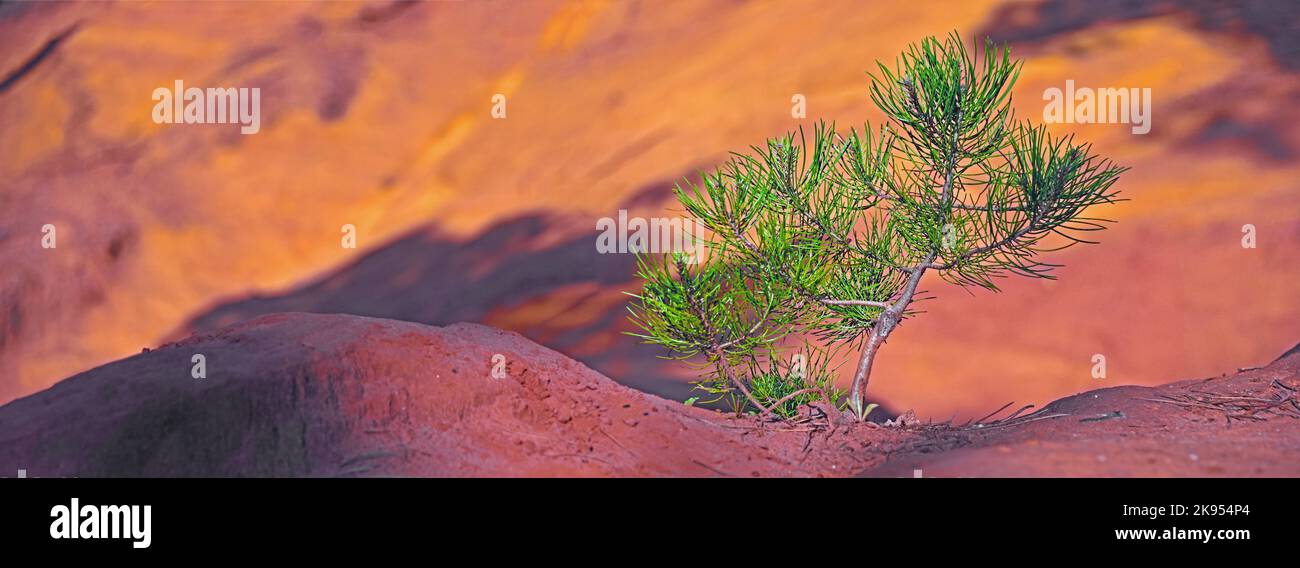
(378, 115)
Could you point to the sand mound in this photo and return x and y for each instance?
(334, 395)
(1239, 425)
(337, 395)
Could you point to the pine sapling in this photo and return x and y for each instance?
(831, 236)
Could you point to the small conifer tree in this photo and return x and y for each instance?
(831, 236)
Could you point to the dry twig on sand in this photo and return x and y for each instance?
(1280, 400)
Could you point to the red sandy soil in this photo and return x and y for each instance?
(335, 395)
(1178, 429)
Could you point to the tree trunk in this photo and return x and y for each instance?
(889, 319)
(863, 373)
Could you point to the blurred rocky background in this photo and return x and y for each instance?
(377, 115)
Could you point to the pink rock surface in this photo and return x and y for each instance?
(333, 395)
(338, 395)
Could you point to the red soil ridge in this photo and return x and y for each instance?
(336, 395)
